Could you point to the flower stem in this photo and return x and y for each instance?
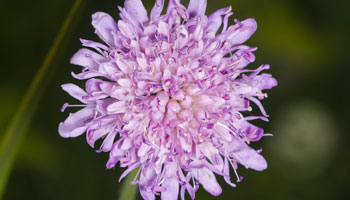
(20, 122)
(128, 192)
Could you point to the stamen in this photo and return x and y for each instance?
(66, 105)
(239, 178)
(137, 174)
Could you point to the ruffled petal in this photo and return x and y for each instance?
(265, 81)
(247, 156)
(94, 89)
(87, 59)
(197, 8)
(76, 92)
(207, 178)
(98, 130)
(96, 45)
(172, 189)
(86, 75)
(246, 29)
(157, 9)
(147, 178)
(240, 32)
(105, 27)
(115, 154)
(76, 124)
(215, 19)
(136, 10)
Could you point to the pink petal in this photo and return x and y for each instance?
(105, 26)
(215, 19)
(108, 142)
(115, 154)
(243, 33)
(157, 9)
(75, 92)
(207, 178)
(86, 75)
(125, 29)
(87, 59)
(147, 178)
(248, 156)
(136, 10)
(187, 103)
(172, 189)
(95, 45)
(76, 124)
(125, 82)
(197, 7)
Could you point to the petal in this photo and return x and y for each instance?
(247, 156)
(124, 67)
(187, 102)
(136, 10)
(86, 75)
(163, 28)
(75, 92)
(95, 45)
(157, 9)
(94, 90)
(97, 130)
(147, 194)
(102, 105)
(251, 159)
(222, 131)
(173, 106)
(117, 107)
(215, 19)
(253, 133)
(120, 93)
(241, 34)
(197, 8)
(186, 185)
(127, 144)
(207, 178)
(244, 57)
(125, 29)
(76, 123)
(172, 189)
(105, 26)
(125, 82)
(87, 59)
(115, 154)
(265, 81)
(157, 116)
(147, 178)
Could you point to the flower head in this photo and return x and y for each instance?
(166, 94)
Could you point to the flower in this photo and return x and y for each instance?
(166, 94)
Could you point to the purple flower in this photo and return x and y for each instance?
(166, 94)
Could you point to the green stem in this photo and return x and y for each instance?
(19, 124)
(128, 192)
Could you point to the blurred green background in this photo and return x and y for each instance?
(306, 43)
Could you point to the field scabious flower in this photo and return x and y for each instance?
(167, 94)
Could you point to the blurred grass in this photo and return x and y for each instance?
(128, 191)
(15, 133)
